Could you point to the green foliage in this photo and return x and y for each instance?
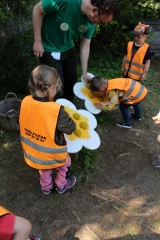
(105, 65)
(16, 8)
(2, 15)
(89, 156)
(102, 119)
(83, 163)
(17, 61)
(113, 36)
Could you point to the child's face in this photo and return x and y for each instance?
(101, 93)
(140, 38)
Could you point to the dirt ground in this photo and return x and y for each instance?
(120, 199)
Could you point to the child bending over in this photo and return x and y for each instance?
(122, 92)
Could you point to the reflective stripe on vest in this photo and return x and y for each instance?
(138, 94)
(134, 92)
(41, 148)
(38, 121)
(134, 66)
(128, 93)
(43, 162)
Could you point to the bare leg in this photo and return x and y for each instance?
(22, 229)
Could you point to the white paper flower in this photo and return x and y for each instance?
(85, 125)
(82, 92)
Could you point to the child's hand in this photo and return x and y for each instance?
(143, 76)
(156, 119)
(99, 105)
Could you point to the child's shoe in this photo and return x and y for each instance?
(71, 181)
(35, 238)
(156, 162)
(123, 125)
(46, 192)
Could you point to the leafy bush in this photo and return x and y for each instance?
(17, 61)
(84, 162)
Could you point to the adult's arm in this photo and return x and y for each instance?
(84, 56)
(38, 13)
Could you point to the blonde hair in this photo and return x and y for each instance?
(42, 78)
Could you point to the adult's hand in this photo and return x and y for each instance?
(86, 78)
(38, 49)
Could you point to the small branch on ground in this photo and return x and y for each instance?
(86, 226)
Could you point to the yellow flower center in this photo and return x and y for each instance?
(82, 125)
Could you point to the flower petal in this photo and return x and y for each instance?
(66, 102)
(90, 107)
(92, 143)
(77, 90)
(76, 145)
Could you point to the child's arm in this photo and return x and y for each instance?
(146, 68)
(122, 68)
(156, 119)
(65, 124)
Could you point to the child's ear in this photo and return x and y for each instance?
(94, 12)
(102, 90)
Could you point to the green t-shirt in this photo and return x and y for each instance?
(62, 23)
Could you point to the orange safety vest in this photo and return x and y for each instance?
(3, 211)
(134, 92)
(134, 66)
(38, 122)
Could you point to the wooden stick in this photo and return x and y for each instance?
(101, 197)
(86, 226)
(138, 145)
(92, 232)
(151, 229)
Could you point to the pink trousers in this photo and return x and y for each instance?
(46, 180)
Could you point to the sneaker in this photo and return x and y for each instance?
(71, 181)
(46, 192)
(123, 125)
(35, 238)
(134, 117)
(156, 163)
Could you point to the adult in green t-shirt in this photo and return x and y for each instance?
(57, 23)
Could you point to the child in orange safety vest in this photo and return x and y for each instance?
(122, 92)
(136, 61)
(43, 123)
(14, 227)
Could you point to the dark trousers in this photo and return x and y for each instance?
(67, 70)
(126, 114)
